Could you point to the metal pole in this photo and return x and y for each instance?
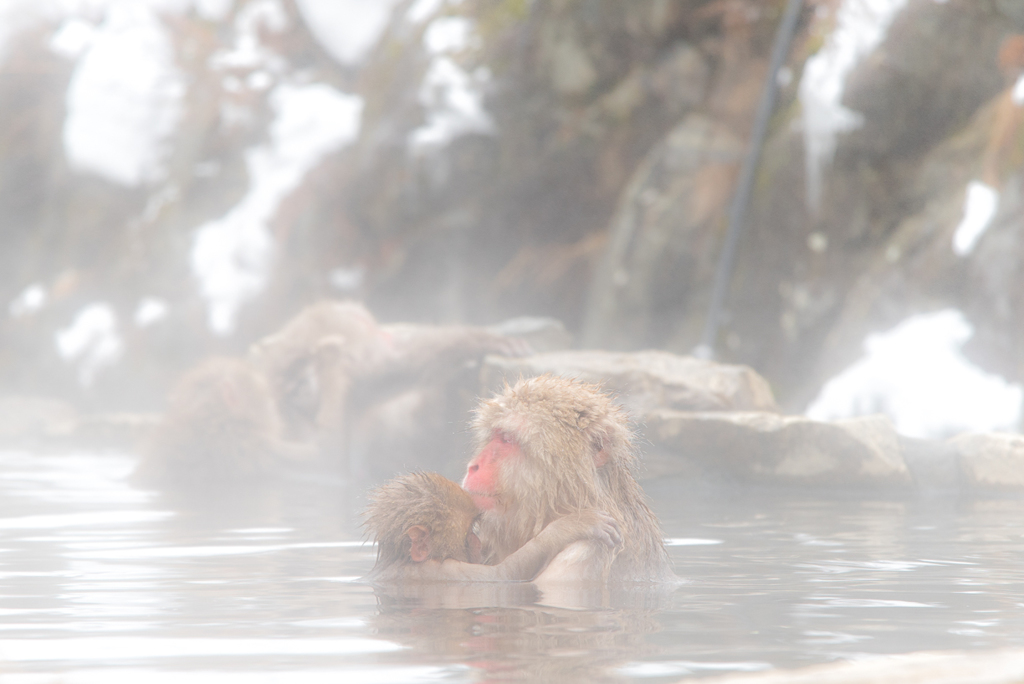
(745, 184)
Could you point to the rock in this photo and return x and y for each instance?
(668, 221)
(645, 381)
(992, 461)
(950, 667)
(934, 464)
(767, 448)
(542, 334)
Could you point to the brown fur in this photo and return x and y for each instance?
(363, 390)
(429, 513)
(311, 362)
(578, 454)
(426, 499)
(221, 424)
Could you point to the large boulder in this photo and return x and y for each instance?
(645, 381)
(767, 448)
(991, 461)
(653, 284)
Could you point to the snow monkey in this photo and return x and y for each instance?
(423, 524)
(221, 424)
(313, 360)
(343, 380)
(549, 447)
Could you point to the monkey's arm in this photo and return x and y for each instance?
(532, 557)
(419, 348)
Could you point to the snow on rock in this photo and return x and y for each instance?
(916, 374)
(454, 106)
(149, 311)
(422, 9)
(125, 95)
(214, 10)
(348, 280)
(19, 15)
(91, 341)
(859, 28)
(1018, 91)
(73, 38)
(347, 29)
(248, 52)
(31, 299)
(447, 34)
(232, 256)
(980, 208)
(451, 97)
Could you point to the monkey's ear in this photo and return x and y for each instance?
(419, 535)
(601, 458)
(583, 419)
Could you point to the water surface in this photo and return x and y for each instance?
(106, 582)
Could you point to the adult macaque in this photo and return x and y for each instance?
(221, 424)
(423, 525)
(347, 382)
(550, 446)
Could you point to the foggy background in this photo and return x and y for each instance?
(179, 177)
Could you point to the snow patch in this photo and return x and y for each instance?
(73, 38)
(916, 375)
(232, 256)
(149, 311)
(248, 52)
(860, 27)
(125, 96)
(447, 34)
(31, 299)
(451, 97)
(980, 207)
(348, 280)
(347, 29)
(454, 104)
(422, 9)
(91, 341)
(19, 15)
(214, 10)
(1018, 91)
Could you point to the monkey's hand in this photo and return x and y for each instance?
(589, 524)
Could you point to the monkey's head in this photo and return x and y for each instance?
(224, 393)
(548, 442)
(422, 516)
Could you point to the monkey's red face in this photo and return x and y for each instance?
(481, 479)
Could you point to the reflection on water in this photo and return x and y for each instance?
(104, 582)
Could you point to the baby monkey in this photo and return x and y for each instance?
(423, 525)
